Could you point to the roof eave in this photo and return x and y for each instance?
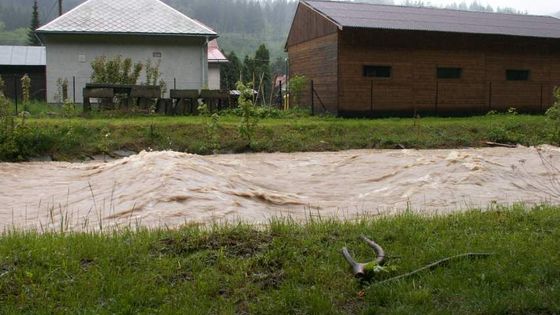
(209, 35)
(217, 61)
(449, 32)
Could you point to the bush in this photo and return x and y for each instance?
(212, 129)
(61, 90)
(16, 139)
(249, 118)
(296, 86)
(115, 71)
(553, 115)
(269, 112)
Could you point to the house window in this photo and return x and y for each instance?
(449, 73)
(156, 54)
(517, 75)
(377, 71)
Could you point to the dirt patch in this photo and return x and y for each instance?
(234, 244)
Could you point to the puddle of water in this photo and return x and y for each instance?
(170, 189)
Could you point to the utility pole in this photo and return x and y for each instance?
(59, 7)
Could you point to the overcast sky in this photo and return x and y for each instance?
(531, 6)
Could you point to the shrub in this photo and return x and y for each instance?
(26, 91)
(553, 115)
(212, 128)
(296, 85)
(68, 109)
(17, 140)
(115, 71)
(249, 118)
(61, 90)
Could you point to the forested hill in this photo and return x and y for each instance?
(242, 24)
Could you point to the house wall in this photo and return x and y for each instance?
(214, 76)
(313, 52)
(68, 56)
(308, 25)
(414, 58)
(317, 61)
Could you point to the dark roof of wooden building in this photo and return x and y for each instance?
(374, 16)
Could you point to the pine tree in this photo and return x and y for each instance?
(262, 71)
(231, 72)
(248, 71)
(32, 40)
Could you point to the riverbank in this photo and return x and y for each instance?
(76, 139)
(291, 268)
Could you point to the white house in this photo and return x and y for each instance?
(136, 29)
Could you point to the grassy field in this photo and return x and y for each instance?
(286, 268)
(77, 138)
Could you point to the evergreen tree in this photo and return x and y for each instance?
(278, 67)
(32, 40)
(231, 72)
(262, 71)
(248, 71)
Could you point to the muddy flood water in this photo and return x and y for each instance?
(170, 189)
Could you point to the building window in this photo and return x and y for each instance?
(449, 73)
(377, 71)
(517, 75)
(156, 54)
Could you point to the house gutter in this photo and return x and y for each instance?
(204, 63)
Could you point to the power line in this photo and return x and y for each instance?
(50, 10)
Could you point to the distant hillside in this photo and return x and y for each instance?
(242, 24)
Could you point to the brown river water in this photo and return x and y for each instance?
(169, 189)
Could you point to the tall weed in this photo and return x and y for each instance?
(553, 115)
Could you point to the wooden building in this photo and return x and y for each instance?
(15, 62)
(370, 60)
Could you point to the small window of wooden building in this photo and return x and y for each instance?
(517, 75)
(377, 71)
(449, 73)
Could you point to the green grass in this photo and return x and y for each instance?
(286, 268)
(77, 138)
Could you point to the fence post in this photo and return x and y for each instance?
(312, 99)
(437, 97)
(281, 100)
(371, 98)
(542, 105)
(490, 96)
(74, 89)
(16, 93)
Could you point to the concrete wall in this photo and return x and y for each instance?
(214, 76)
(182, 59)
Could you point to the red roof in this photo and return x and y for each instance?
(214, 53)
